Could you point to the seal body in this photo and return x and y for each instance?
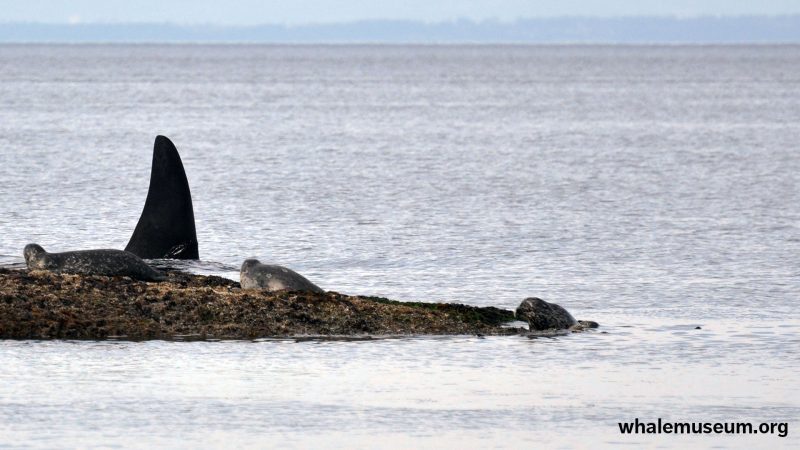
(91, 262)
(542, 315)
(255, 275)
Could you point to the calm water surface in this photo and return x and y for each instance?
(652, 189)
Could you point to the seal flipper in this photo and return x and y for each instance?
(166, 226)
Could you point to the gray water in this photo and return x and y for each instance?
(652, 189)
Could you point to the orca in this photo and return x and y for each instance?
(166, 226)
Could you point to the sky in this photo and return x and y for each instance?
(295, 12)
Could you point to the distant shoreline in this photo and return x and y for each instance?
(634, 30)
(399, 44)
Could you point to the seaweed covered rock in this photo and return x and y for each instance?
(47, 305)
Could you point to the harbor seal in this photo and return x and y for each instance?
(91, 262)
(542, 315)
(166, 227)
(255, 275)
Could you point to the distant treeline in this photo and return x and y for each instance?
(744, 29)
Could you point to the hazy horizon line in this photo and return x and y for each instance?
(784, 28)
(676, 17)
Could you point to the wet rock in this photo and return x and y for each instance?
(47, 305)
(542, 315)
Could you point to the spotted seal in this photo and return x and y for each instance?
(91, 262)
(255, 275)
(542, 315)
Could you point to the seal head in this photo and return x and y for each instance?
(34, 256)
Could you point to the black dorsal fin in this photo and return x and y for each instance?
(166, 226)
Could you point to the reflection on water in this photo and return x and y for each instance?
(499, 391)
(200, 267)
(652, 189)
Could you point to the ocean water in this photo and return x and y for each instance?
(651, 189)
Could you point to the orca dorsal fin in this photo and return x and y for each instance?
(166, 226)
